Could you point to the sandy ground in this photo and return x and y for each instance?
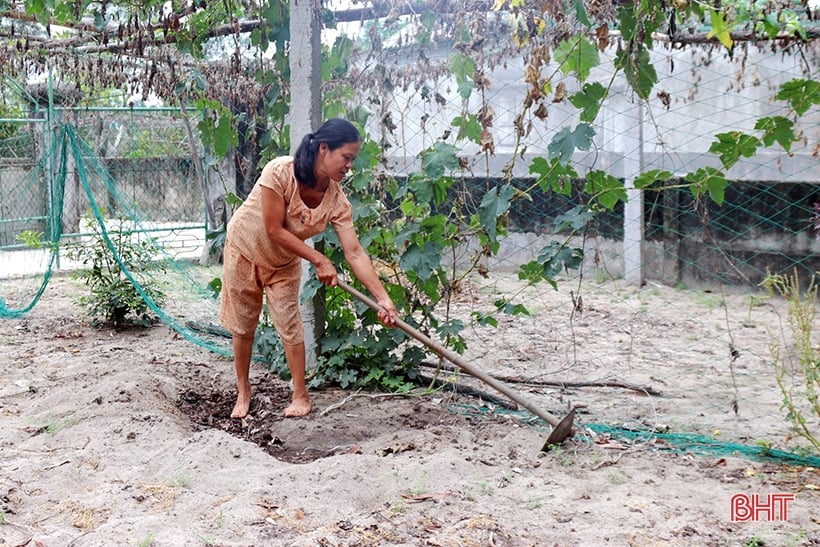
(122, 438)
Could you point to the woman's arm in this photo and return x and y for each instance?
(363, 269)
(273, 218)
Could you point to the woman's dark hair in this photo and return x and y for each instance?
(335, 133)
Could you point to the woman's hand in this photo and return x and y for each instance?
(388, 313)
(325, 271)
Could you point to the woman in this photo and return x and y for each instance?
(294, 199)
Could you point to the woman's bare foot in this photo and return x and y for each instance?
(299, 406)
(243, 403)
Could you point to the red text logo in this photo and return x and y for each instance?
(754, 507)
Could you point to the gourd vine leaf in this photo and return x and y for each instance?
(588, 100)
(638, 70)
(495, 203)
(708, 180)
(732, 145)
(484, 319)
(468, 127)
(645, 180)
(219, 134)
(720, 29)
(463, 68)
(224, 136)
(439, 158)
(421, 260)
(368, 157)
(777, 129)
(552, 260)
(553, 175)
(567, 140)
(505, 306)
(606, 187)
(581, 13)
(574, 219)
(577, 54)
(801, 94)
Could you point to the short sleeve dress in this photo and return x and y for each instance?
(254, 264)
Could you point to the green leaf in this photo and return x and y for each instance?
(627, 22)
(732, 145)
(438, 159)
(495, 203)
(336, 63)
(566, 141)
(553, 175)
(577, 54)
(434, 227)
(224, 136)
(638, 69)
(421, 260)
(552, 260)
(771, 26)
(483, 319)
(505, 306)
(575, 219)
(606, 188)
(801, 94)
(777, 129)
(720, 28)
(426, 189)
(63, 12)
(645, 180)
(468, 128)
(588, 100)
(581, 13)
(708, 180)
(415, 205)
(462, 67)
(465, 89)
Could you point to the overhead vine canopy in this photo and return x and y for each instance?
(234, 51)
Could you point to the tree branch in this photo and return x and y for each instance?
(645, 390)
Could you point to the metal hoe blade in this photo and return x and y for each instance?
(561, 429)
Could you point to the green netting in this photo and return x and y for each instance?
(691, 443)
(189, 301)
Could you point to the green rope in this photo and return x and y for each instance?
(689, 443)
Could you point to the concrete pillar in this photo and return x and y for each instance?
(306, 117)
(632, 141)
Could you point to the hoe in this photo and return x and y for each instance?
(561, 429)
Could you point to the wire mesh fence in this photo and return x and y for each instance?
(767, 223)
(147, 153)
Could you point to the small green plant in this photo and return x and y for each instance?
(31, 239)
(485, 488)
(397, 507)
(755, 541)
(536, 502)
(147, 541)
(615, 477)
(51, 424)
(112, 258)
(797, 371)
(708, 300)
(796, 539)
(561, 456)
(180, 480)
(2, 518)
